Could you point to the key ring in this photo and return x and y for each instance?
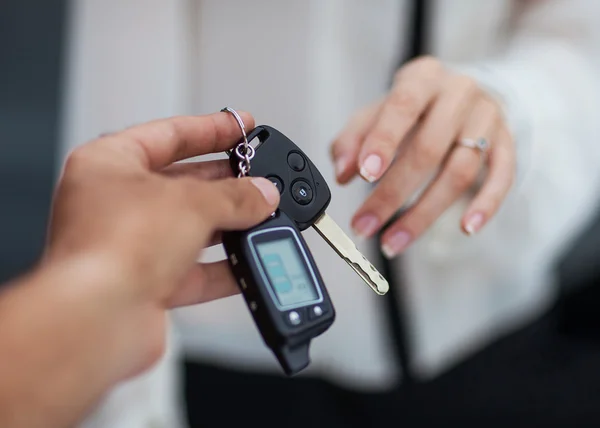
(248, 150)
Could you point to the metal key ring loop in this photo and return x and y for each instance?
(249, 152)
(239, 121)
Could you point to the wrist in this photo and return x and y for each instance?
(97, 287)
(59, 334)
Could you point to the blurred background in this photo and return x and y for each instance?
(563, 349)
(31, 64)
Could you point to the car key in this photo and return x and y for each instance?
(282, 286)
(279, 279)
(305, 196)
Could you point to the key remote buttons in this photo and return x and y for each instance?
(302, 192)
(296, 161)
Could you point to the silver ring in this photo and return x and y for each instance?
(240, 123)
(480, 144)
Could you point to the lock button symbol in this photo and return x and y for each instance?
(302, 192)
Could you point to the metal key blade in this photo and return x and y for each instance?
(347, 250)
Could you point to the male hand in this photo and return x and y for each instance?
(138, 222)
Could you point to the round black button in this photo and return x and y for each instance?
(302, 192)
(296, 161)
(277, 182)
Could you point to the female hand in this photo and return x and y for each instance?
(411, 135)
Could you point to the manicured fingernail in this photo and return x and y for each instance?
(366, 226)
(371, 168)
(268, 189)
(395, 244)
(340, 166)
(474, 223)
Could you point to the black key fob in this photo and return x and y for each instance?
(305, 194)
(282, 286)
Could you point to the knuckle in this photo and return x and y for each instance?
(426, 67)
(428, 64)
(465, 85)
(172, 131)
(404, 103)
(78, 159)
(462, 175)
(213, 129)
(383, 137)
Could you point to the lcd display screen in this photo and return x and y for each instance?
(287, 273)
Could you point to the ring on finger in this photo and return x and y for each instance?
(482, 145)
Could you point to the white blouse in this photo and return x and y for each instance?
(303, 66)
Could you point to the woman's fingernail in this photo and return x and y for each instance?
(474, 223)
(366, 226)
(395, 244)
(340, 166)
(371, 168)
(268, 189)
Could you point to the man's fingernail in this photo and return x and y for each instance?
(371, 168)
(268, 189)
(340, 166)
(395, 244)
(474, 223)
(366, 226)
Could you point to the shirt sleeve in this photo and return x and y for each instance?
(547, 78)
